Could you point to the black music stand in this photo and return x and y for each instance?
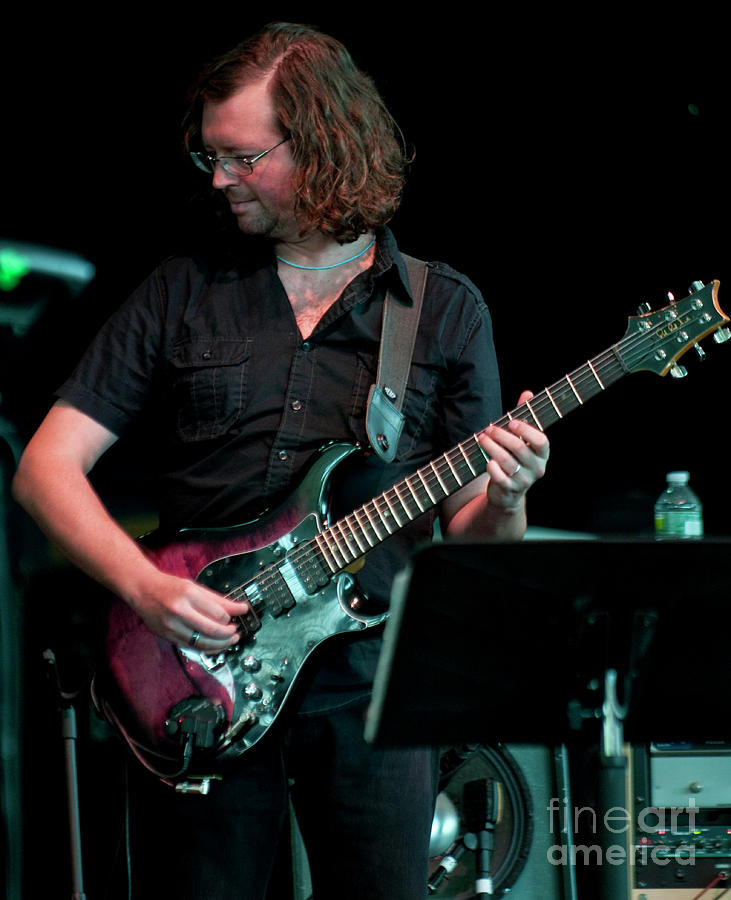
(535, 642)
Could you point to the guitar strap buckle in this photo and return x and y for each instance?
(384, 419)
(384, 423)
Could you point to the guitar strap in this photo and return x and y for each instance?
(384, 419)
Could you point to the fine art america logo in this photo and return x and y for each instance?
(606, 832)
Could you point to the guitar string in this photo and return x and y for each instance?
(442, 467)
(539, 404)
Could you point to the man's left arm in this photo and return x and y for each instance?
(493, 505)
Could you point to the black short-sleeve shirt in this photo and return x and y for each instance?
(212, 356)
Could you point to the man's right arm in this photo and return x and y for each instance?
(52, 485)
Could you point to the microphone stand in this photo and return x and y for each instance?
(482, 813)
(483, 865)
(69, 734)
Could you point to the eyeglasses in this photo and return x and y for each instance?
(235, 165)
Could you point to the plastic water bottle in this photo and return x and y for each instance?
(678, 511)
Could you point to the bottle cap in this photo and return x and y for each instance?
(678, 477)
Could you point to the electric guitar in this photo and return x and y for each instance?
(179, 708)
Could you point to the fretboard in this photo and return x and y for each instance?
(345, 541)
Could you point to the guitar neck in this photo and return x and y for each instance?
(345, 541)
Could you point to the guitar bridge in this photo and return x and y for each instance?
(211, 663)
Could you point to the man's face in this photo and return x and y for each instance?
(245, 125)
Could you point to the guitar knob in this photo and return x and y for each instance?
(253, 692)
(250, 664)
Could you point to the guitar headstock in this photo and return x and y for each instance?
(655, 340)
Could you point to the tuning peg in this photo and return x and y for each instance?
(700, 351)
(671, 297)
(696, 286)
(678, 371)
(644, 308)
(722, 335)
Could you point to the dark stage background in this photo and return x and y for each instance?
(573, 170)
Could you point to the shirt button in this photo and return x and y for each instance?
(306, 346)
(296, 405)
(206, 354)
(282, 454)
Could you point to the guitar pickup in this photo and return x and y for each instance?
(271, 592)
(249, 623)
(279, 600)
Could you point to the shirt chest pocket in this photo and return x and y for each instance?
(209, 386)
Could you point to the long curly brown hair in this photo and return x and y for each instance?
(349, 152)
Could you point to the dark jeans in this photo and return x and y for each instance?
(365, 815)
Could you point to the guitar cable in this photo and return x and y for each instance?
(108, 713)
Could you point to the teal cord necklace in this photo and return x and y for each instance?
(333, 266)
